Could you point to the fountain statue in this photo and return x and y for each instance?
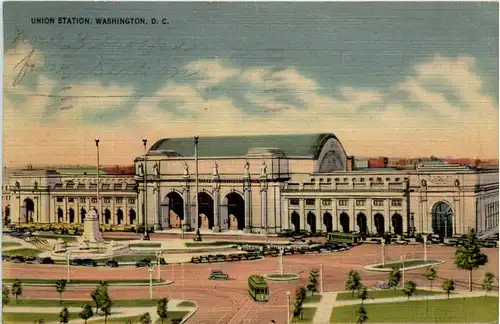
(91, 231)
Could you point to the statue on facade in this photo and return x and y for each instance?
(18, 185)
(215, 171)
(263, 169)
(247, 170)
(156, 170)
(35, 185)
(140, 170)
(186, 169)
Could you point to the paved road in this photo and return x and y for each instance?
(227, 302)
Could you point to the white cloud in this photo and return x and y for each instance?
(392, 130)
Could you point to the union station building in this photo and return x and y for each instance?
(263, 183)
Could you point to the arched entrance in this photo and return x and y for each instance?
(311, 221)
(378, 221)
(83, 212)
(328, 221)
(442, 219)
(397, 224)
(107, 216)
(71, 213)
(235, 211)
(60, 215)
(362, 223)
(131, 217)
(7, 214)
(205, 211)
(295, 219)
(29, 210)
(172, 210)
(119, 216)
(344, 222)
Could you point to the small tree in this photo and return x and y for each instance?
(17, 289)
(488, 281)
(60, 287)
(98, 294)
(361, 316)
(297, 308)
(448, 286)
(394, 278)
(86, 312)
(410, 288)
(145, 319)
(469, 257)
(362, 294)
(5, 295)
(161, 310)
(430, 274)
(64, 316)
(312, 285)
(106, 304)
(353, 282)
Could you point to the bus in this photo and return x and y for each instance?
(339, 237)
(257, 288)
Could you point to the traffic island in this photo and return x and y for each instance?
(402, 265)
(281, 276)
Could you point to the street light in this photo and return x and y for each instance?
(68, 256)
(282, 251)
(403, 272)
(425, 248)
(321, 277)
(98, 183)
(288, 307)
(150, 270)
(158, 260)
(145, 202)
(383, 251)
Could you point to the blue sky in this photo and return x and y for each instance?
(379, 75)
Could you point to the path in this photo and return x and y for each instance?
(324, 307)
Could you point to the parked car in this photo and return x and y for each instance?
(17, 259)
(112, 264)
(401, 242)
(285, 233)
(30, 259)
(47, 260)
(141, 264)
(204, 259)
(195, 260)
(75, 262)
(234, 257)
(218, 275)
(381, 285)
(89, 263)
(220, 258)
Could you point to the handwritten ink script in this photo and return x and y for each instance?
(115, 63)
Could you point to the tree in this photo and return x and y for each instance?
(5, 295)
(394, 278)
(161, 310)
(17, 289)
(297, 308)
(362, 294)
(488, 281)
(61, 287)
(361, 314)
(410, 288)
(469, 257)
(106, 304)
(430, 274)
(86, 312)
(312, 285)
(353, 282)
(145, 319)
(448, 286)
(98, 295)
(64, 316)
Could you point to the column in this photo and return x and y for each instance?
(159, 222)
(263, 206)
(352, 216)
(456, 216)
(302, 208)
(387, 216)
(482, 215)
(126, 217)
(369, 216)
(248, 207)
(405, 216)
(285, 223)
(66, 212)
(335, 216)
(216, 227)
(35, 212)
(187, 209)
(319, 216)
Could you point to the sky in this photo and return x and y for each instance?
(389, 79)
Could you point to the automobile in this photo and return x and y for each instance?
(211, 258)
(234, 257)
(75, 262)
(195, 259)
(17, 259)
(252, 256)
(112, 264)
(220, 258)
(6, 257)
(204, 259)
(303, 249)
(218, 275)
(285, 233)
(47, 260)
(401, 242)
(89, 263)
(381, 285)
(30, 259)
(141, 264)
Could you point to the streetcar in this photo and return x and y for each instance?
(339, 237)
(258, 289)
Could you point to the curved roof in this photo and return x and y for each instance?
(298, 145)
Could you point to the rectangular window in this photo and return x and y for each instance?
(310, 202)
(105, 186)
(107, 200)
(83, 199)
(326, 202)
(131, 200)
(343, 202)
(378, 202)
(360, 202)
(396, 202)
(71, 200)
(294, 202)
(81, 186)
(119, 200)
(94, 200)
(59, 199)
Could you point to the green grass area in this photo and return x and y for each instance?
(145, 245)
(79, 303)
(55, 237)
(10, 244)
(454, 310)
(307, 315)
(186, 303)
(8, 318)
(407, 264)
(135, 319)
(313, 299)
(282, 276)
(76, 281)
(22, 252)
(203, 244)
(389, 293)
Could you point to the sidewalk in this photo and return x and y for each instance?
(324, 308)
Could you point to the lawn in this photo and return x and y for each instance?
(407, 264)
(8, 318)
(79, 303)
(55, 237)
(22, 252)
(457, 310)
(186, 303)
(145, 245)
(76, 281)
(385, 294)
(10, 244)
(135, 319)
(282, 276)
(313, 299)
(307, 315)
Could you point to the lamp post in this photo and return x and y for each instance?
(425, 248)
(282, 251)
(288, 307)
(196, 181)
(68, 256)
(321, 277)
(150, 270)
(158, 260)
(145, 201)
(383, 251)
(403, 272)
(98, 181)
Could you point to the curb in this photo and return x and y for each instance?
(188, 316)
(295, 277)
(140, 284)
(372, 267)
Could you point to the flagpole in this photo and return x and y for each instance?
(197, 182)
